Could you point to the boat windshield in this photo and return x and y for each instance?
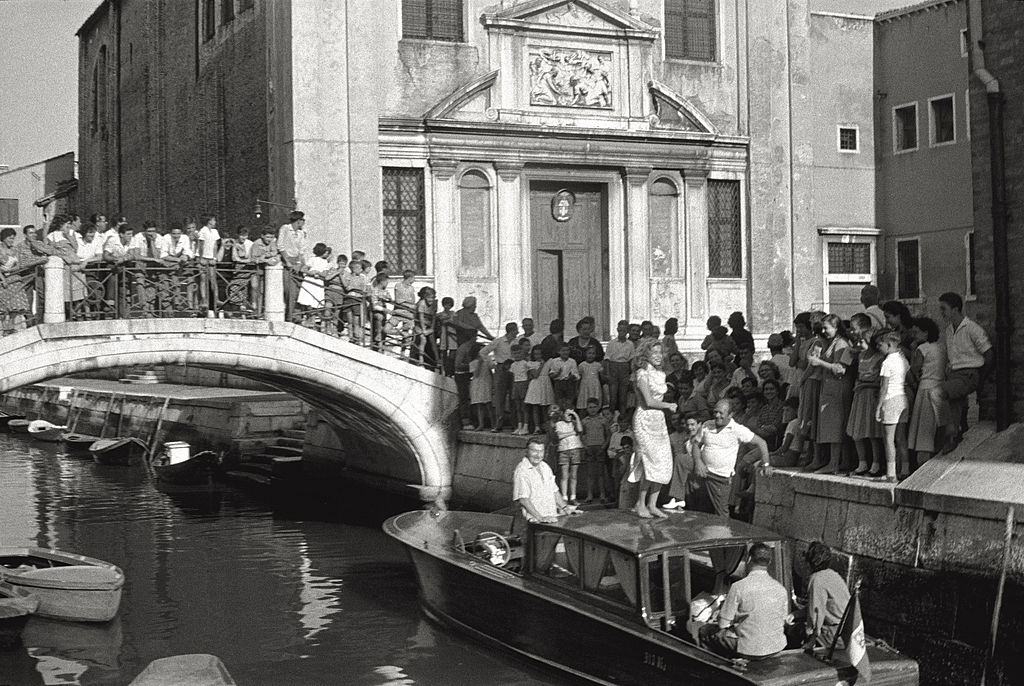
(587, 566)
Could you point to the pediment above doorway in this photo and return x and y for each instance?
(470, 102)
(586, 17)
(672, 111)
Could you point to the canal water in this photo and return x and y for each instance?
(281, 600)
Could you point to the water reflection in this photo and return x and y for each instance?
(280, 601)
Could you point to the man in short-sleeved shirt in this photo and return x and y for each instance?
(969, 355)
(534, 487)
(716, 447)
(752, 622)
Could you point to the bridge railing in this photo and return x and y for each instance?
(20, 299)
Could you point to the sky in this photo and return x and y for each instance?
(39, 72)
(39, 78)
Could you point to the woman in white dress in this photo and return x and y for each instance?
(929, 365)
(653, 451)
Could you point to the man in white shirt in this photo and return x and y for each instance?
(534, 487)
(715, 449)
(535, 337)
(293, 243)
(969, 356)
(206, 251)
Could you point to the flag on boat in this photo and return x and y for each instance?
(852, 633)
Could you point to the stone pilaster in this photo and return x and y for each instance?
(446, 229)
(638, 281)
(696, 221)
(513, 244)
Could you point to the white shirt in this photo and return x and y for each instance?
(536, 338)
(720, 447)
(208, 242)
(788, 374)
(180, 248)
(619, 351)
(966, 345)
(537, 484)
(246, 247)
(894, 368)
(91, 250)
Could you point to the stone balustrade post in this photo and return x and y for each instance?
(53, 290)
(273, 293)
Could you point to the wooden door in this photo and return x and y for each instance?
(570, 257)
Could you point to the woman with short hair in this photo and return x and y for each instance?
(827, 597)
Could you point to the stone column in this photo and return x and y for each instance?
(53, 291)
(447, 238)
(696, 222)
(512, 243)
(273, 293)
(638, 283)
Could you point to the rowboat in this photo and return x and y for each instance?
(42, 430)
(18, 426)
(5, 419)
(609, 599)
(78, 443)
(68, 586)
(197, 669)
(197, 470)
(119, 451)
(16, 604)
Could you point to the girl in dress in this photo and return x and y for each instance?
(539, 393)
(568, 429)
(653, 456)
(862, 426)
(590, 385)
(480, 387)
(834, 399)
(929, 367)
(311, 292)
(808, 341)
(378, 295)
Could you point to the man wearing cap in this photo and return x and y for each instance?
(467, 323)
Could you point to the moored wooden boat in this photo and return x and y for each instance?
(42, 430)
(5, 419)
(68, 586)
(16, 604)
(18, 426)
(606, 597)
(197, 470)
(197, 669)
(119, 451)
(78, 443)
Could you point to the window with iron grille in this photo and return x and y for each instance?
(848, 139)
(405, 232)
(9, 211)
(943, 126)
(904, 125)
(970, 265)
(432, 19)
(690, 28)
(209, 19)
(227, 11)
(849, 258)
(725, 237)
(908, 270)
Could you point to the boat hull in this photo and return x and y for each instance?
(539, 621)
(75, 588)
(54, 435)
(123, 452)
(16, 605)
(78, 443)
(7, 419)
(80, 605)
(18, 426)
(198, 470)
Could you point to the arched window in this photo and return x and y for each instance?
(663, 221)
(475, 224)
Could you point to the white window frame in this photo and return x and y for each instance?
(847, 235)
(931, 120)
(917, 128)
(839, 145)
(969, 295)
(963, 42)
(920, 271)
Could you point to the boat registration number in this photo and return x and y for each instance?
(656, 661)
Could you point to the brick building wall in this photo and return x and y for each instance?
(190, 113)
(1002, 33)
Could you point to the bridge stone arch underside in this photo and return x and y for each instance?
(381, 403)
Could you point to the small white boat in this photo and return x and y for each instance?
(18, 426)
(68, 586)
(197, 669)
(16, 604)
(42, 430)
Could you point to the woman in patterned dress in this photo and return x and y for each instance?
(653, 450)
(13, 297)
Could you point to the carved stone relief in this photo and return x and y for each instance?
(566, 77)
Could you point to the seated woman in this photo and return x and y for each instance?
(827, 597)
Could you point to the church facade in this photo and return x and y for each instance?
(634, 159)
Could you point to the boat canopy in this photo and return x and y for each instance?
(683, 530)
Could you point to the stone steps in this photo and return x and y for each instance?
(282, 451)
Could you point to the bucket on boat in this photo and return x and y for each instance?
(177, 451)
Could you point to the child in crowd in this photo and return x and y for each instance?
(567, 428)
(623, 460)
(862, 426)
(744, 369)
(356, 287)
(447, 342)
(617, 357)
(699, 370)
(789, 452)
(480, 387)
(590, 385)
(520, 370)
(404, 310)
(539, 393)
(892, 404)
(564, 374)
(929, 367)
(334, 292)
(379, 326)
(595, 443)
(243, 245)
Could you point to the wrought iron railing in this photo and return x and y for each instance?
(20, 299)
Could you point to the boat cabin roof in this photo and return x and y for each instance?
(622, 529)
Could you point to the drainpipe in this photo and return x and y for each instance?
(1000, 251)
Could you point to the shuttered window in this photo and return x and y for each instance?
(690, 30)
(908, 270)
(9, 211)
(405, 231)
(433, 19)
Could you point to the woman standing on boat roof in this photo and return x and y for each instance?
(653, 457)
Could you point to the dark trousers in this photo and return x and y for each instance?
(718, 489)
(462, 380)
(502, 384)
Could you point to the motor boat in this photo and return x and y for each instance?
(42, 430)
